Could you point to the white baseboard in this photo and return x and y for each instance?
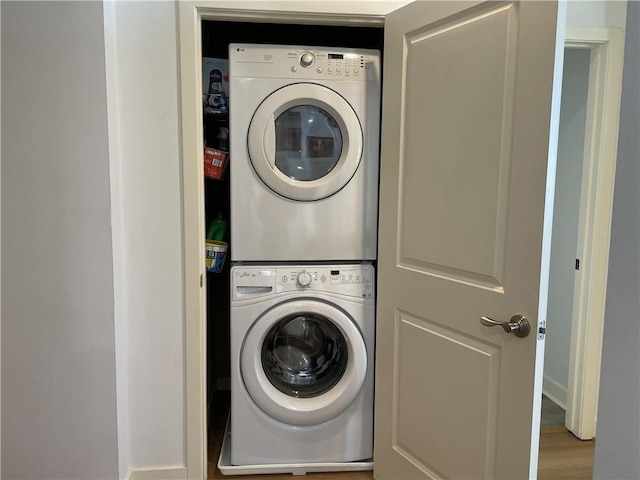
(555, 392)
(175, 473)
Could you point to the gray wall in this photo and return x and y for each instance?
(618, 441)
(58, 365)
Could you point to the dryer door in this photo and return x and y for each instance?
(305, 142)
(303, 362)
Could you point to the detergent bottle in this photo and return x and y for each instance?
(217, 99)
(217, 228)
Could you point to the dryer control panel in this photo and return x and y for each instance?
(255, 281)
(305, 63)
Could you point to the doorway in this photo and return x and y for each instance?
(565, 264)
(216, 34)
(582, 222)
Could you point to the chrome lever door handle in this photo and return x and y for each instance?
(519, 325)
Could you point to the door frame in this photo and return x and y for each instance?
(190, 17)
(594, 228)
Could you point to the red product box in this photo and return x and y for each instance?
(215, 162)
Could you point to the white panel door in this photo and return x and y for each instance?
(467, 119)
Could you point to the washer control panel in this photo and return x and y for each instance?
(319, 63)
(351, 280)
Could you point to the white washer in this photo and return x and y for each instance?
(302, 352)
(304, 140)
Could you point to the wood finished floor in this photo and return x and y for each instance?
(552, 414)
(562, 456)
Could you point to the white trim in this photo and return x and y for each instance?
(554, 392)
(190, 16)
(174, 473)
(120, 319)
(600, 149)
(291, 17)
(193, 236)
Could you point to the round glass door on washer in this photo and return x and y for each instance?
(304, 355)
(304, 139)
(303, 362)
(302, 346)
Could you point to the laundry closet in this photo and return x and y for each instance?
(217, 136)
(468, 96)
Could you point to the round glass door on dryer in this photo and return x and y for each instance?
(303, 362)
(305, 142)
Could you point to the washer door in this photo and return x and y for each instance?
(305, 142)
(303, 362)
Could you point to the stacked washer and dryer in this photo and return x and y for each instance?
(304, 139)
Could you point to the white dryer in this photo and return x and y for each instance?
(302, 352)
(304, 140)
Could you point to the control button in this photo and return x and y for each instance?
(319, 70)
(338, 70)
(285, 279)
(304, 279)
(294, 69)
(355, 70)
(346, 70)
(323, 279)
(329, 69)
(307, 59)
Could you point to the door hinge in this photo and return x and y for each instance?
(577, 264)
(201, 280)
(542, 329)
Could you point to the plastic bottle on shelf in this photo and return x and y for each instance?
(217, 228)
(217, 99)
